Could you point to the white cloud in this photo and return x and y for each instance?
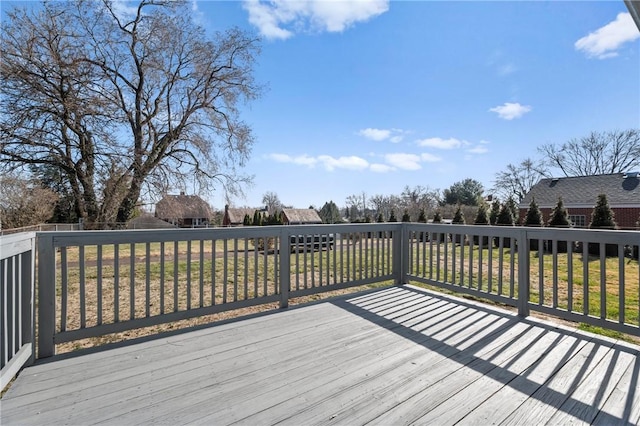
(198, 15)
(603, 42)
(375, 134)
(440, 143)
(509, 110)
(393, 161)
(328, 162)
(429, 158)
(480, 149)
(303, 160)
(351, 162)
(381, 168)
(392, 135)
(279, 19)
(266, 19)
(123, 9)
(404, 161)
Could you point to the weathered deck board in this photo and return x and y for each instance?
(392, 356)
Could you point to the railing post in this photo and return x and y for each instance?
(284, 256)
(28, 302)
(46, 295)
(400, 253)
(523, 273)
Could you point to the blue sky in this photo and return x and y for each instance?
(372, 96)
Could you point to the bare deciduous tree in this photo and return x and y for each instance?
(597, 153)
(272, 202)
(419, 198)
(357, 206)
(24, 202)
(516, 180)
(122, 101)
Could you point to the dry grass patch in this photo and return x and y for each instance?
(203, 320)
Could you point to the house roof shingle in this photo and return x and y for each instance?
(236, 215)
(583, 191)
(147, 221)
(300, 216)
(182, 207)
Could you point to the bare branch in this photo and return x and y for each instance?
(596, 153)
(93, 86)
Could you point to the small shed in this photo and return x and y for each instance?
(300, 217)
(235, 216)
(185, 211)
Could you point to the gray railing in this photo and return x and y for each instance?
(16, 304)
(41, 227)
(91, 283)
(94, 283)
(589, 276)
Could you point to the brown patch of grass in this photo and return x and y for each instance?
(203, 320)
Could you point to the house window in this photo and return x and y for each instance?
(198, 222)
(578, 220)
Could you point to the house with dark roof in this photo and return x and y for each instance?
(300, 217)
(580, 194)
(235, 216)
(185, 211)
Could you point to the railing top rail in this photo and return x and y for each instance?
(605, 235)
(69, 238)
(13, 244)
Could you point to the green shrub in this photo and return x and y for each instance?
(422, 217)
(495, 210)
(559, 219)
(559, 216)
(458, 217)
(513, 208)
(440, 237)
(505, 218)
(534, 216)
(482, 218)
(602, 217)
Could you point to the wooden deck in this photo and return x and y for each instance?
(398, 355)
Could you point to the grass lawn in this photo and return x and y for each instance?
(192, 274)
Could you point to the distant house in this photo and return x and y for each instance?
(235, 216)
(580, 194)
(148, 221)
(300, 217)
(185, 211)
